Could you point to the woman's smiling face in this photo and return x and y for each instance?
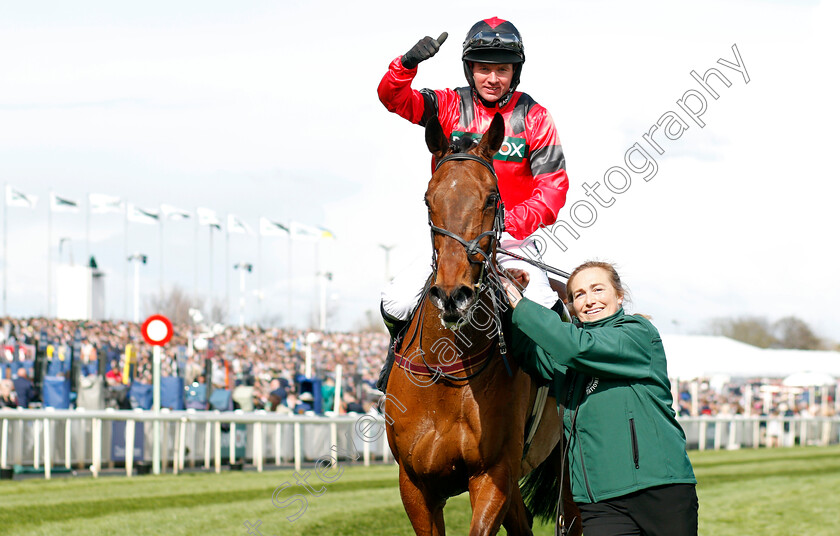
(594, 295)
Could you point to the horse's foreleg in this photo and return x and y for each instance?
(517, 521)
(489, 495)
(425, 513)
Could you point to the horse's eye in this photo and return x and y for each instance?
(492, 201)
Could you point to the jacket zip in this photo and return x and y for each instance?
(635, 442)
(574, 390)
(585, 476)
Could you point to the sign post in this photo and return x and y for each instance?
(157, 330)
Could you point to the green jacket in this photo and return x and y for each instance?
(612, 378)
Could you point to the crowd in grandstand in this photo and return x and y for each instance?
(263, 368)
(259, 368)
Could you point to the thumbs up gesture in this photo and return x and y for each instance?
(423, 50)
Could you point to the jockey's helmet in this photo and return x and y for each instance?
(493, 41)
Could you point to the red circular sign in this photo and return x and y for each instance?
(157, 330)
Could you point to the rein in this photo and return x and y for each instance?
(538, 264)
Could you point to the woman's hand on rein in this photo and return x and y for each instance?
(514, 284)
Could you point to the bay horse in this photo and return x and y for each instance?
(457, 405)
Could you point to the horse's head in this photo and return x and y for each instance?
(463, 200)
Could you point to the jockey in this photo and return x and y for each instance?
(530, 165)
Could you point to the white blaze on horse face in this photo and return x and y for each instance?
(594, 295)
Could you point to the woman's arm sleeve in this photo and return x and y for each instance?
(620, 351)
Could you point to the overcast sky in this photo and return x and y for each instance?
(270, 109)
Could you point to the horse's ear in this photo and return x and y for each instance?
(435, 138)
(493, 138)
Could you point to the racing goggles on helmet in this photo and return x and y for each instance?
(494, 40)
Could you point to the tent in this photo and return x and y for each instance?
(704, 356)
(809, 379)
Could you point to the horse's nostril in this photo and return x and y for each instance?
(438, 296)
(463, 296)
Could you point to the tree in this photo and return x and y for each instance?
(752, 330)
(371, 323)
(219, 312)
(787, 332)
(791, 332)
(271, 320)
(175, 305)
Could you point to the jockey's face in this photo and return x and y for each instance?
(492, 80)
(594, 295)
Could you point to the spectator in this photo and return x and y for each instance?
(289, 406)
(8, 398)
(328, 393)
(197, 394)
(114, 376)
(278, 394)
(351, 405)
(243, 395)
(23, 388)
(193, 370)
(305, 403)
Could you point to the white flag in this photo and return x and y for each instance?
(174, 213)
(15, 198)
(141, 215)
(301, 231)
(271, 228)
(62, 204)
(208, 217)
(235, 225)
(102, 204)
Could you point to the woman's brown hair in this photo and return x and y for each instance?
(610, 269)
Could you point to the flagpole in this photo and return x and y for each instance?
(227, 265)
(259, 274)
(290, 285)
(195, 263)
(322, 291)
(210, 228)
(125, 262)
(323, 282)
(87, 232)
(5, 242)
(161, 217)
(49, 256)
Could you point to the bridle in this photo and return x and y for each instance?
(472, 247)
(489, 268)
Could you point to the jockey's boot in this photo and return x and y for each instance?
(395, 327)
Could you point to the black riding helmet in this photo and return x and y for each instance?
(494, 41)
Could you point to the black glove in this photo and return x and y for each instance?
(423, 50)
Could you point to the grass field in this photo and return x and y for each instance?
(747, 492)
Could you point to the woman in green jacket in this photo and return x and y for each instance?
(629, 468)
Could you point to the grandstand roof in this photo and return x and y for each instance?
(692, 356)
